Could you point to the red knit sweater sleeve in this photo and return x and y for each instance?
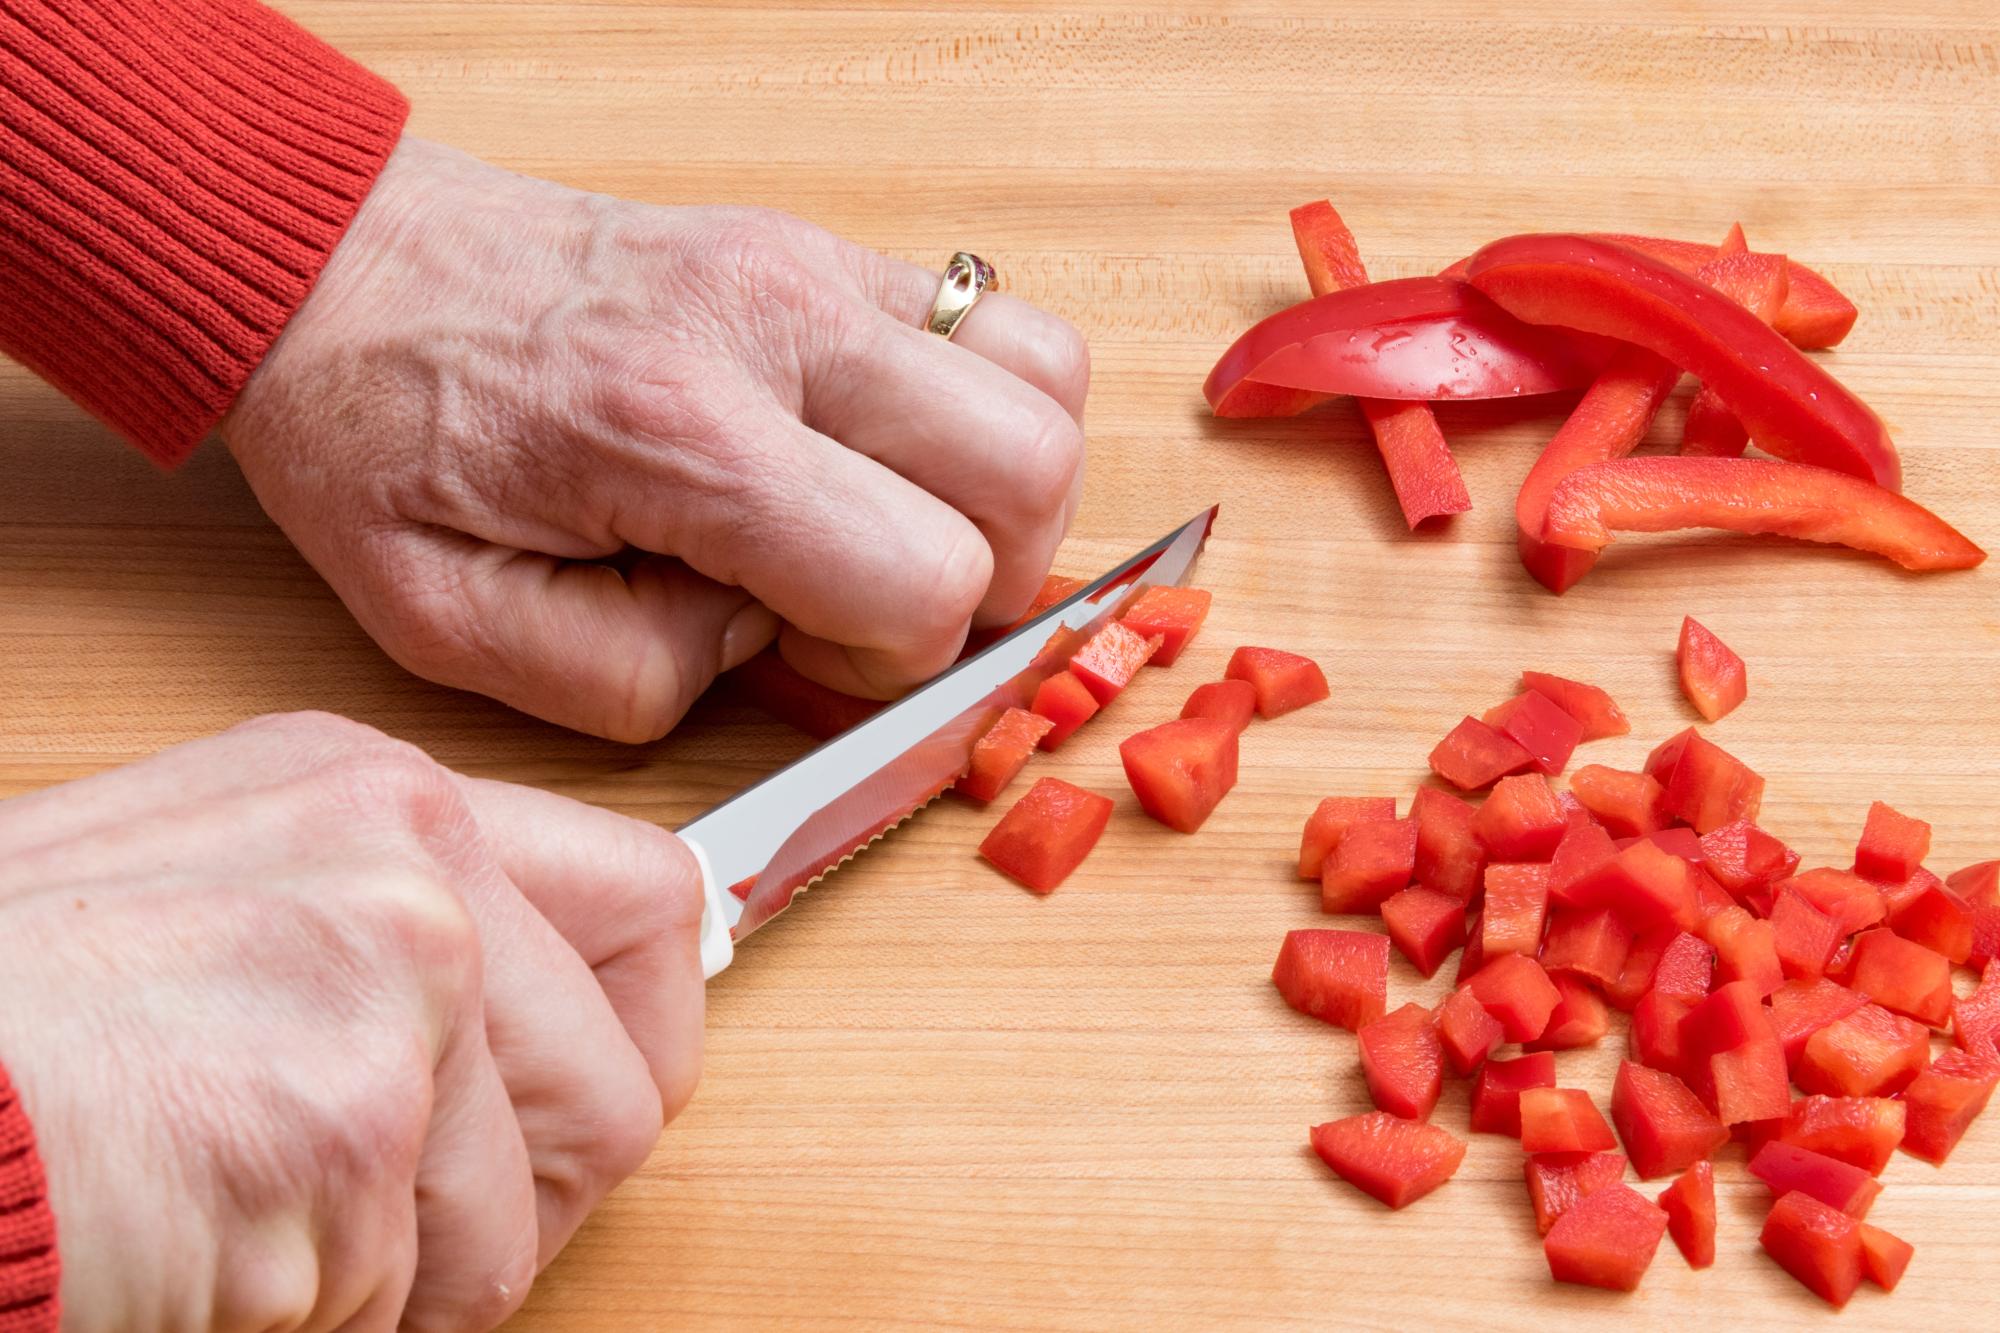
(173, 176)
(29, 1272)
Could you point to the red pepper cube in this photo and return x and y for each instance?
(1329, 822)
(1731, 1056)
(1745, 859)
(1172, 614)
(1801, 1008)
(1902, 977)
(1283, 681)
(1424, 925)
(1869, 1053)
(1562, 1120)
(1474, 755)
(1975, 1018)
(1067, 703)
(1467, 1032)
(1579, 1018)
(1884, 1257)
(1664, 1126)
(1605, 1240)
(1450, 858)
(1558, 1181)
(1689, 1204)
(1641, 962)
(1589, 944)
(1392, 1160)
(1860, 1131)
(1978, 884)
(1852, 902)
(1655, 1034)
(1710, 787)
(1892, 846)
(1818, 1245)
(1516, 991)
(1373, 861)
(1937, 918)
(1628, 805)
(1649, 887)
(1538, 725)
(1496, 1094)
(1403, 1062)
(1521, 820)
(1803, 936)
(1594, 710)
(1677, 840)
(1712, 675)
(1472, 957)
(1109, 660)
(1181, 770)
(1709, 896)
(1944, 1100)
(1985, 937)
(1517, 901)
(1746, 949)
(1584, 850)
(1047, 833)
(1000, 755)
(1231, 701)
(1686, 969)
(1341, 976)
(1786, 1167)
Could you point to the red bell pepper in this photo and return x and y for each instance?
(1372, 861)
(1790, 404)
(1283, 681)
(1588, 944)
(1655, 1035)
(1852, 902)
(1557, 1182)
(1047, 833)
(1860, 1131)
(1392, 1160)
(1649, 887)
(1540, 726)
(1000, 755)
(1181, 770)
(1689, 1204)
(1985, 937)
(1884, 1257)
(1818, 1245)
(1936, 918)
(1468, 1033)
(1745, 859)
(1109, 659)
(1450, 858)
(1801, 1008)
(1516, 991)
(1605, 1240)
(1902, 977)
(1329, 822)
(1598, 713)
(1403, 1062)
(1585, 850)
(1231, 701)
(1712, 675)
(1975, 1018)
(1473, 956)
(1496, 1093)
(1474, 755)
(1892, 846)
(1869, 1053)
(1746, 949)
(1067, 703)
(1732, 1058)
(1709, 787)
(1804, 936)
(1579, 1018)
(1424, 925)
(1627, 804)
(1758, 283)
(1786, 1167)
(1944, 1100)
(1750, 495)
(1978, 884)
(1521, 820)
(1664, 1126)
(1686, 969)
(1172, 613)
(768, 682)
(1341, 976)
(1648, 945)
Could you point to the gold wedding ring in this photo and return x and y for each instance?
(966, 279)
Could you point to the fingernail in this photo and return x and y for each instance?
(749, 632)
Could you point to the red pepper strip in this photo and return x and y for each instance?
(1793, 407)
(1411, 338)
(1750, 495)
(1758, 283)
(1426, 478)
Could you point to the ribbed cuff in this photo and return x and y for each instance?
(30, 1275)
(173, 176)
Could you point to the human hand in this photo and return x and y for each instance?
(500, 384)
(315, 1034)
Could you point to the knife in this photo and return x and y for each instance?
(759, 848)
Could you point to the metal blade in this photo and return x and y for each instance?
(779, 836)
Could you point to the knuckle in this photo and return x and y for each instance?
(271, 1283)
(964, 568)
(416, 918)
(630, 1133)
(507, 1283)
(1049, 460)
(394, 783)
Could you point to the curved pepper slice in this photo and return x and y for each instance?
(1750, 495)
(1793, 407)
(1758, 283)
(1414, 338)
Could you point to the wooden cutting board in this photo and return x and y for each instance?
(930, 1098)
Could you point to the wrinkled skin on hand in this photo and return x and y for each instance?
(580, 453)
(315, 1034)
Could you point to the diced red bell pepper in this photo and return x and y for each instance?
(1852, 902)
(1655, 1034)
(1745, 859)
(1449, 856)
(1786, 1167)
(1403, 1062)
(1892, 845)
(1330, 820)
(1181, 770)
(1283, 681)
(1516, 991)
(1818, 1245)
(1341, 976)
(1944, 1100)
(1557, 1182)
(1521, 820)
(1540, 726)
(1594, 710)
(1562, 1120)
(1686, 970)
(770, 683)
(1649, 887)
(1936, 918)
(1680, 841)
(999, 755)
(1902, 977)
(1231, 701)
(1584, 851)
(1424, 925)
(1746, 949)
(1579, 1018)
(1664, 1127)
(1985, 936)
(1605, 1240)
(1978, 884)
(1869, 1053)
(1689, 1204)
(1801, 1008)
(1496, 1093)
(1640, 963)
(1472, 957)
(1474, 755)
(1708, 787)
(1712, 675)
(1393, 1160)
(1109, 659)
(1803, 936)
(1589, 944)
(1884, 1257)
(1055, 588)
(1975, 1018)
(1731, 1056)
(1628, 805)
(1373, 861)
(1468, 1032)
(1047, 833)
(1171, 613)
(1065, 701)
(1860, 1131)
(1710, 897)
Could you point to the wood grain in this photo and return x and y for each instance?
(931, 1099)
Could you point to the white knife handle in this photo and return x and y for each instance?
(717, 948)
